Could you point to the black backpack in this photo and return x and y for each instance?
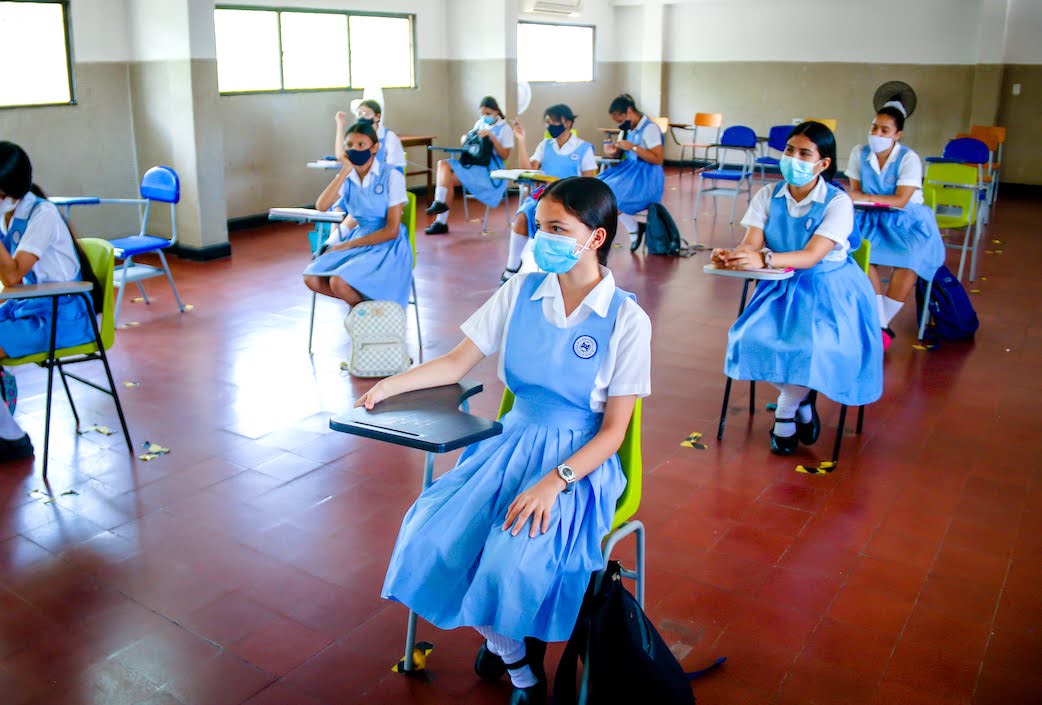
(663, 236)
(477, 151)
(951, 314)
(629, 662)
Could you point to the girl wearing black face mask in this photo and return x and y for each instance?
(638, 181)
(562, 154)
(369, 256)
(369, 113)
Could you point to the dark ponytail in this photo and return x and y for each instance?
(490, 103)
(622, 103)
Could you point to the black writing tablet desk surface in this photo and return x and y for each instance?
(427, 419)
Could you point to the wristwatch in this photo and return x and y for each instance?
(568, 475)
(768, 255)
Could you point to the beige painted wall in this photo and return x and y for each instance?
(1022, 116)
(85, 148)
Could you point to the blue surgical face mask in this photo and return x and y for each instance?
(555, 130)
(488, 119)
(796, 171)
(556, 253)
(358, 157)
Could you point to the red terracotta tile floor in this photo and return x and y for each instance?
(245, 566)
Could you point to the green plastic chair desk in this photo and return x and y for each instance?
(102, 261)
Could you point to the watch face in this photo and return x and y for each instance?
(566, 473)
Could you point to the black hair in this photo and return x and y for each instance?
(592, 202)
(16, 171)
(893, 112)
(372, 105)
(362, 128)
(823, 139)
(622, 103)
(560, 111)
(490, 103)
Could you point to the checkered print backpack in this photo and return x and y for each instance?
(377, 330)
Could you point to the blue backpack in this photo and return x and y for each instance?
(951, 314)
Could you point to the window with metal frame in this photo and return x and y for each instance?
(555, 53)
(36, 49)
(270, 50)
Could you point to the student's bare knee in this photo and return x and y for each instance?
(315, 284)
(344, 291)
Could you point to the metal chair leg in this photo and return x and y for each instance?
(860, 418)
(68, 394)
(127, 263)
(839, 433)
(410, 628)
(752, 397)
(466, 210)
(925, 318)
(416, 309)
(144, 294)
(484, 223)
(50, 382)
(311, 324)
(723, 410)
(170, 278)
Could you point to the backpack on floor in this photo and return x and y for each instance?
(8, 389)
(628, 660)
(951, 314)
(378, 348)
(663, 236)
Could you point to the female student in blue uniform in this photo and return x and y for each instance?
(476, 179)
(885, 171)
(637, 181)
(369, 257)
(369, 113)
(507, 540)
(818, 331)
(562, 154)
(36, 247)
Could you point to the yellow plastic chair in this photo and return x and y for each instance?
(409, 220)
(101, 256)
(831, 123)
(952, 191)
(632, 461)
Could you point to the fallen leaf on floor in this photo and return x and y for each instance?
(148, 456)
(189, 307)
(66, 493)
(694, 440)
(131, 385)
(998, 252)
(997, 242)
(345, 366)
(823, 468)
(137, 300)
(103, 430)
(974, 291)
(154, 448)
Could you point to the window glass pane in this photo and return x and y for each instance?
(381, 52)
(247, 50)
(314, 50)
(549, 52)
(32, 34)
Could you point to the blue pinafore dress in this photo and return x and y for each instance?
(25, 325)
(478, 180)
(381, 272)
(819, 329)
(453, 564)
(556, 164)
(908, 238)
(636, 183)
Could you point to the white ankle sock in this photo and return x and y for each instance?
(882, 310)
(628, 222)
(890, 309)
(803, 414)
(442, 218)
(788, 403)
(517, 245)
(441, 193)
(511, 651)
(9, 428)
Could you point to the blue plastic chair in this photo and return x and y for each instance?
(735, 138)
(776, 139)
(159, 184)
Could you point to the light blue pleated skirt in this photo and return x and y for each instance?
(908, 239)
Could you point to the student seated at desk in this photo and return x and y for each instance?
(491, 125)
(637, 181)
(507, 540)
(818, 330)
(562, 154)
(36, 247)
(885, 171)
(369, 113)
(369, 257)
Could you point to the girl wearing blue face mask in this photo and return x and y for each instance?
(885, 171)
(638, 181)
(562, 154)
(369, 113)
(491, 125)
(369, 256)
(507, 540)
(818, 331)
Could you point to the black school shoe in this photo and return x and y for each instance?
(487, 665)
(784, 445)
(536, 694)
(436, 207)
(808, 432)
(437, 228)
(18, 449)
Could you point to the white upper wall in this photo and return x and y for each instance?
(99, 30)
(1024, 32)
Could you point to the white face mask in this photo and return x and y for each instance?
(7, 205)
(880, 144)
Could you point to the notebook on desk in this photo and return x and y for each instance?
(305, 215)
(873, 206)
(759, 273)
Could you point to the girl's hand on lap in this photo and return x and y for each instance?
(536, 502)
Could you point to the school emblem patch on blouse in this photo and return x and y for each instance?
(584, 347)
